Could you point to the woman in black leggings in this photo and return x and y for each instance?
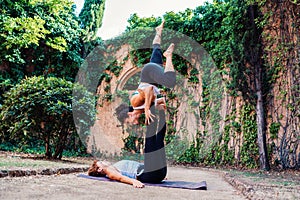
(154, 169)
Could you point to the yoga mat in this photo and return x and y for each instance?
(165, 183)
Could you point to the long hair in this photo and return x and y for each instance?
(122, 110)
(93, 170)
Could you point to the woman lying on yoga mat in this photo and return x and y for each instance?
(153, 170)
(152, 75)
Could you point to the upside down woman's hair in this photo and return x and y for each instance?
(93, 170)
(122, 110)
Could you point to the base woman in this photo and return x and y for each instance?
(154, 168)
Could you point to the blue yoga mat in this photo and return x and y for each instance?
(165, 183)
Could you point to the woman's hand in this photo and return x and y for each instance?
(137, 184)
(149, 116)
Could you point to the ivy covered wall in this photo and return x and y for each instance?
(255, 48)
(281, 39)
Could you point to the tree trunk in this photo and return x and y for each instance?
(61, 144)
(48, 152)
(256, 62)
(261, 124)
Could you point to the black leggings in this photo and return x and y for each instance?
(157, 55)
(155, 165)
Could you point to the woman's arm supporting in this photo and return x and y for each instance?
(149, 99)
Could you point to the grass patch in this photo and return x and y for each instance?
(284, 183)
(15, 163)
(271, 178)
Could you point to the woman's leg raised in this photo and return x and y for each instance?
(154, 157)
(157, 55)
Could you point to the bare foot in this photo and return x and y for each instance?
(170, 50)
(160, 27)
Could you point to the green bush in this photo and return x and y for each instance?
(40, 109)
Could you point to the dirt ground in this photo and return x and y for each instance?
(221, 184)
(266, 185)
(69, 186)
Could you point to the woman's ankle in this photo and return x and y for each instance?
(169, 51)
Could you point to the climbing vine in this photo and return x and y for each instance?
(249, 149)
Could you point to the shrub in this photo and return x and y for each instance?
(40, 109)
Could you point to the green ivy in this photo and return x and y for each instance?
(132, 143)
(274, 130)
(249, 150)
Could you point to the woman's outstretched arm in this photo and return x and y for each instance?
(115, 175)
